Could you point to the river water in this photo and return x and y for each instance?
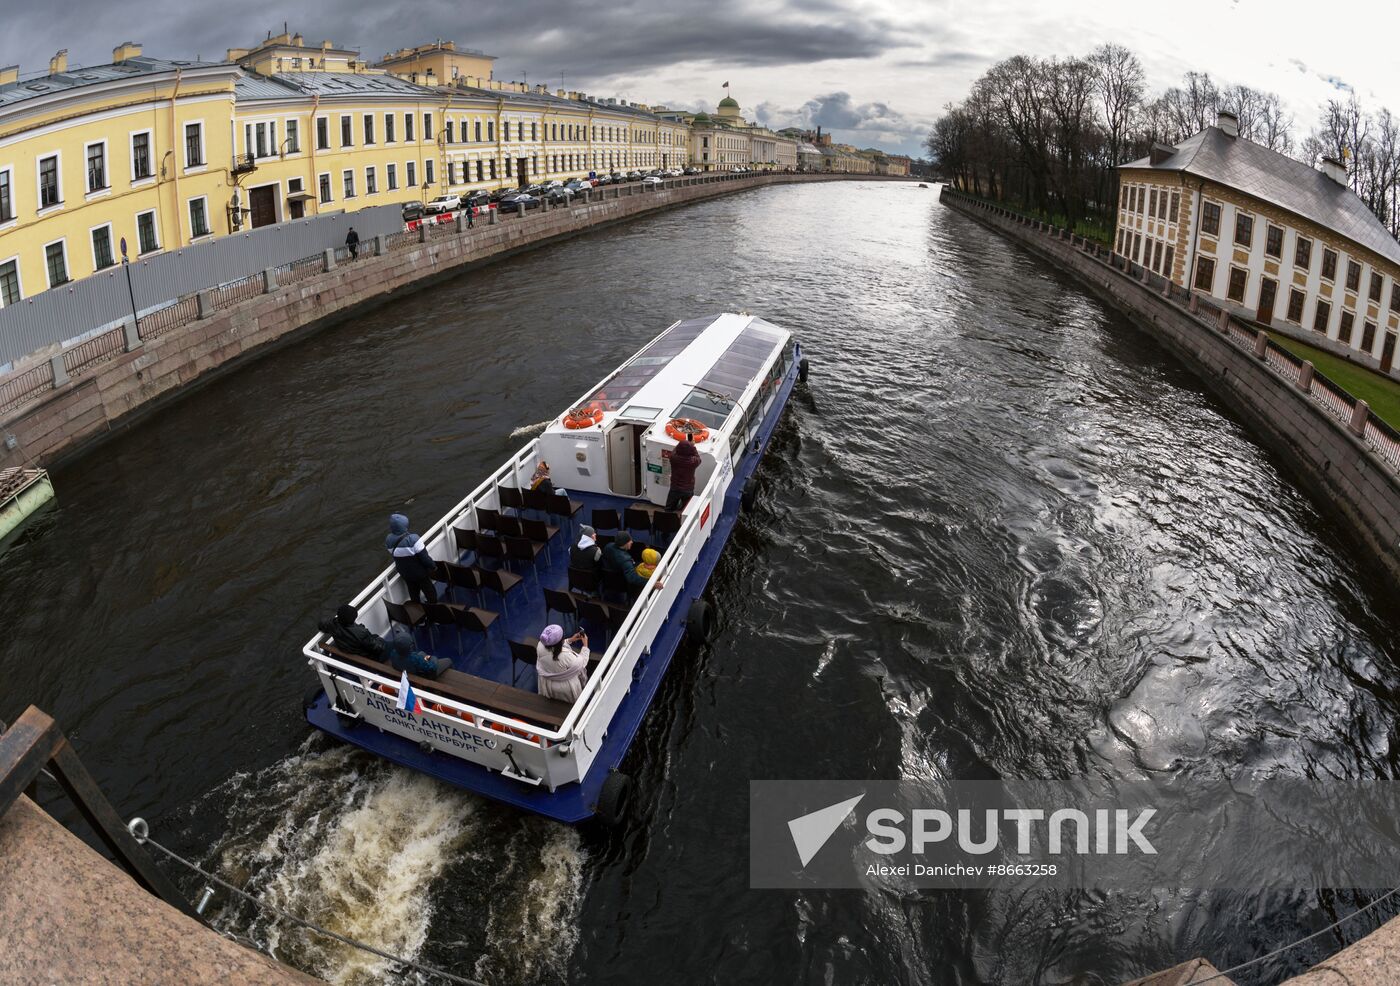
(1001, 534)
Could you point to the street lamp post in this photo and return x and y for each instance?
(130, 291)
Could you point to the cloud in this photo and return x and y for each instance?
(861, 124)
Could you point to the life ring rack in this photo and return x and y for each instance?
(678, 427)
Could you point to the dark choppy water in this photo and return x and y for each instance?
(1003, 535)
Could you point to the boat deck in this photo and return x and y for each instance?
(522, 610)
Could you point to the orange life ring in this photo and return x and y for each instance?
(677, 427)
(503, 728)
(583, 417)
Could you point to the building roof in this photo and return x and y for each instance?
(1279, 180)
(47, 85)
(729, 101)
(300, 85)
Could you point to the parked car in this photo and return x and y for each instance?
(558, 196)
(444, 203)
(634, 176)
(412, 212)
(692, 171)
(516, 199)
(579, 185)
(653, 180)
(554, 183)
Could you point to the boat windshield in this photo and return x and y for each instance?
(713, 398)
(633, 375)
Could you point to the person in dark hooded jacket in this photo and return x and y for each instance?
(404, 655)
(617, 557)
(685, 460)
(352, 636)
(411, 559)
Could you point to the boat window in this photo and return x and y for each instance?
(713, 398)
(629, 378)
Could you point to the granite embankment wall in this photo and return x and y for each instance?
(127, 376)
(1340, 452)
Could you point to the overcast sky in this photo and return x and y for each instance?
(876, 72)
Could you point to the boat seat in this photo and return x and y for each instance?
(470, 690)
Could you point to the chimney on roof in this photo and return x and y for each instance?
(8, 74)
(1228, 122)
(59, 62)
(125, 51)
(1335, 170)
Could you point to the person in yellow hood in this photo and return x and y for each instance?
(649, 559)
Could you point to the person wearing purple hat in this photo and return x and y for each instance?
(560, 670)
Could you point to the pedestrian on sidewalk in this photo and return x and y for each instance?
(352, 242)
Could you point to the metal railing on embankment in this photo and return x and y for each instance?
(1343, 409)
(29, 384)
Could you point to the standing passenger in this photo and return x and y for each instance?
(561, 671)
(685, 459)
(412, 560)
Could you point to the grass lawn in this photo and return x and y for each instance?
(1381, 393)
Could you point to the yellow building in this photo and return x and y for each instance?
(289, 53)
(137, 150)
(439, 63)
(726, 140)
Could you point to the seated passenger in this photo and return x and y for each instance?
(540, 480)
(561, 671)
(352, 636)
(650, 556)
(404, 655)
(617, 559)
(586, 554)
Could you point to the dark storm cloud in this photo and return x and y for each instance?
(861, 124)
(581, 40)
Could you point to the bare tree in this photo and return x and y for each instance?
(1119, 84)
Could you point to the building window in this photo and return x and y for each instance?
(1167, 261)
(1137, 243)
(1353, 275)
(449, 130)
(427, 127)
(412, 174)
(389, 128)
(293, 131)
(480, 176)
(1273, 241)
(476, 130)
(9, 283)
(1204, 273)
(96, 167)
(1395, 295)
(1376, 283)
(1239, 280)
(371, 182)
(346, 136)
(1152, 203)
(490, 129)
(369, 129)
(1157, 256)
(1322, 316)
(1329, 264)
(7, 199)
(324, 186)
(1344, 330)
(48, 182)
(347, 181)
(146, 238)
(199, 218)
(57, 264)
(194, 145)
(1368, 337)
(1295, 305)
(391, 174)
(102, 248)
(428, 172)
(140, 156)
(323, 134)
(1302, 253)
(534, 131)
(508, 168)
(408, 127)
(1175, 213)
(1210, 218)
(1244, 230)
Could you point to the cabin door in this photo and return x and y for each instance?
(264, 205)
(1268, 288)
(624, 458)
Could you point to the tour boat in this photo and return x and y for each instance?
(502, 574)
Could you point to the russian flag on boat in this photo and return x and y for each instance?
(408, 698)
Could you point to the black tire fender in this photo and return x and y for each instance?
(614, 798)
(700, 621)
(802, 369)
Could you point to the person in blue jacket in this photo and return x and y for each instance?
(404, 655)
(411, 559)
(617, 557)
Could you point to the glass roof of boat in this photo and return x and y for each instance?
(713, 398)
(633, 375)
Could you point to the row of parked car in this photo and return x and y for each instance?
(444, 208)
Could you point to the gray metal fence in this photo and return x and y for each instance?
(88, 307)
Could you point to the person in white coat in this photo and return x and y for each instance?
(561, 671)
